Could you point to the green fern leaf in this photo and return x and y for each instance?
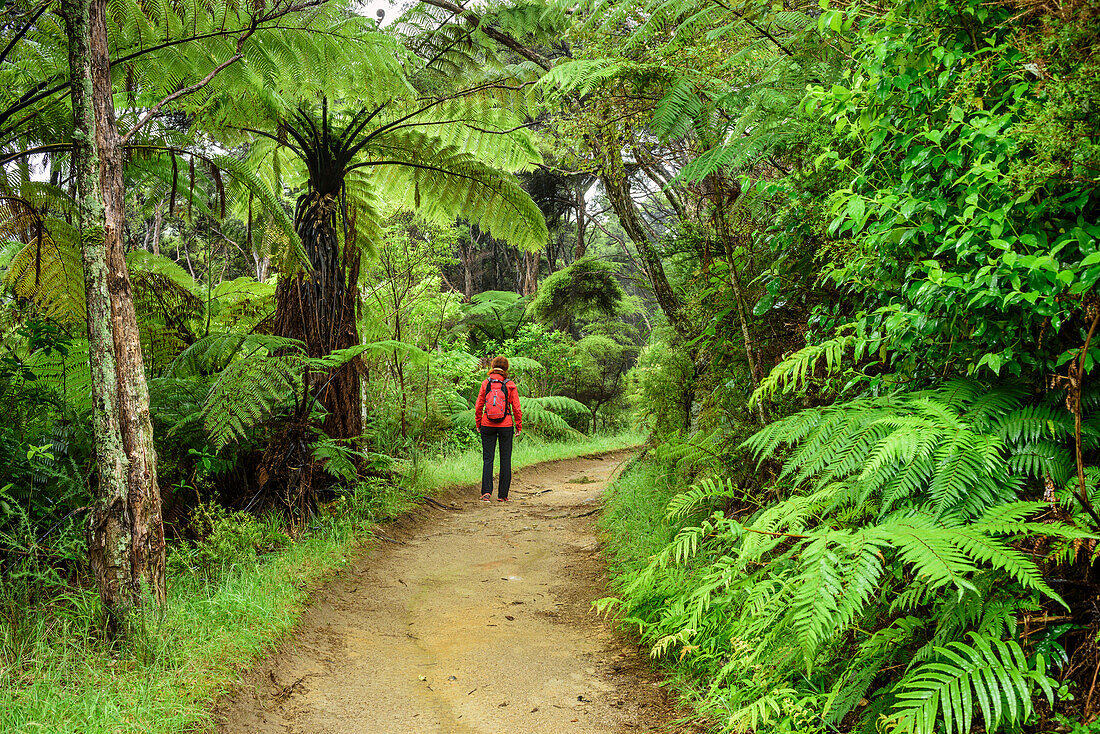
(991, 672)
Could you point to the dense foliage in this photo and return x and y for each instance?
(838, 259)
(881, 228)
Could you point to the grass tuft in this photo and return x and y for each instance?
(633, 522)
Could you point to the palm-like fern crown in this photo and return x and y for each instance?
(374, 138)
(444, 153)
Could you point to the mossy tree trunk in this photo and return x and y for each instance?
(125, 531)
(616, 184)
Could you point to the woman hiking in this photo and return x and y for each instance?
(497, 415)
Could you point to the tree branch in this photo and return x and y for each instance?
(504, 39)
(22, 32)
(42, 91)
(1075, 386)
(155, 109)
(757, 28)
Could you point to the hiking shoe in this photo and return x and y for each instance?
(503, 499)
(486, 497)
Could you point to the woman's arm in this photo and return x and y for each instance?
(513, 398)
(479, 406)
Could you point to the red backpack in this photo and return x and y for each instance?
(496, 400)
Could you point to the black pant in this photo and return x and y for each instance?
(489, 435)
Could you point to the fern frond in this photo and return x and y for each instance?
(991, 672)
(246, 393)
(213, 354)
(683, 504)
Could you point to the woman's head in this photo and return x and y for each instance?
(499, 363)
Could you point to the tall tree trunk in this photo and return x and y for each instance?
(519, 282)
(466, 256)
(158, 222)
(721, 221)
(581, 207)
(531, 261)
(496, 265)
(125, 531)
(617, 186)
(262, 265)
(187, 257)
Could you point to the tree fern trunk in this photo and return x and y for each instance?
(319, 308)
(125, 531)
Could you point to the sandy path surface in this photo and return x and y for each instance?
(471, 618)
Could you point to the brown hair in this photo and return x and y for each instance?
(499, 363)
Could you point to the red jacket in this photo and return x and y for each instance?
(513, 401)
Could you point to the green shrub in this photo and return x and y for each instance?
(881, 564)
(226, 539)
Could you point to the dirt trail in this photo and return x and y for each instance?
(471, 618)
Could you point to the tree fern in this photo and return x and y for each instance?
(256, 386)
(67, 373)
(338, 460)
(525, 364)
(48, 271)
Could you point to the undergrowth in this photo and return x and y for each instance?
(895, 572)
(230, 597)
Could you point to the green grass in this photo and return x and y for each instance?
(57, 674)
(633, 522)
(465, 468)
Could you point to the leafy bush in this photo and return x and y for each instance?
(587, 287)
(226, 539)
(661, 387)
(972, 196)
(887, 564)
